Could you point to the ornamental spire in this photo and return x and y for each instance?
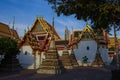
(13, 22)
(53, 20)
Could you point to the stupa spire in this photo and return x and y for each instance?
(52, 43)
(13, 22)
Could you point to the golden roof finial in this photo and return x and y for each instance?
(86, 23)
(25, 31)
(28, 28)
(39, 16)
(53, 20)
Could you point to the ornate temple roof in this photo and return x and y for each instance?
(42, 31)
(88, 34)
(41, 25)
(88, 30)
(5, 31)
(112, 42)
(14, 34)
(77, 35)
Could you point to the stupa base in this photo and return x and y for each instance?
(68, 67)
(97, 65)
(49, 71)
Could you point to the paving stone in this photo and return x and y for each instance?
(81, 73)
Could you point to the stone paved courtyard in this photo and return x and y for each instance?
(81, 73)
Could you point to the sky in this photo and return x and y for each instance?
(26, 12)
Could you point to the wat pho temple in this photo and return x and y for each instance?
(42, 48)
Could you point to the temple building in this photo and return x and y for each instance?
(86, 42)
(83, 45)
(111, 46)
(6, 31)
(42, 31)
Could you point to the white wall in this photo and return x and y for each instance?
(82, 51)
(27, 61)
(104, 54)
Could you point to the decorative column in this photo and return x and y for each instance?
(34, 52)
(39, 52)
(35, 46)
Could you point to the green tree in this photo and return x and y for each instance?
(8, 47)
(101, 13)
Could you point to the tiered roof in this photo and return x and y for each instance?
(5, 31)
(88, 34)
(42, 31)
(14, 34)
(40, 25)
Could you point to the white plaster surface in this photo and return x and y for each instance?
(82, 51)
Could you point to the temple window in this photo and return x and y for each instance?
(87, 48)
(26, 52)
(41, 37)
(87, 36)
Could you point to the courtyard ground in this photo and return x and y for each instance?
(80, 73)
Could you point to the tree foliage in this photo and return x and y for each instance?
(8, 46)
(101, 13)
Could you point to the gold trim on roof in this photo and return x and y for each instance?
(87, 29)
(46, 27)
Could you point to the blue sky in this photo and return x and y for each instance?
(26, 11)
